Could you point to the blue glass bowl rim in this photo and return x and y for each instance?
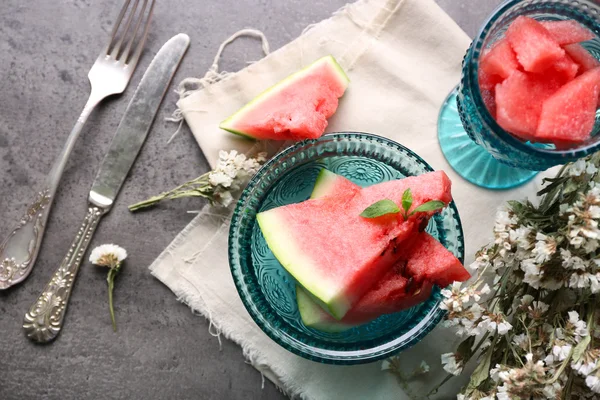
(338, 357)
(471, 71)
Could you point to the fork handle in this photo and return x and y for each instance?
(19, 250)
(45, 318)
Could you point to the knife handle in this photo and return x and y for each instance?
(44, 320)
(19, 250)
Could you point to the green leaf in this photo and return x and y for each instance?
(482, 372)
(407, 200)
(430, 206)
(581, 348)
(465, 348)
(382, 207)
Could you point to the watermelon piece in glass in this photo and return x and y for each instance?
(581, 56)
(500, 60)
(519, 101)
(536, 49)
(567, 31)
(569, 115)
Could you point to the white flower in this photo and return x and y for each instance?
(580, 280)
(580, 329)
(591, 246)
(533, 274)
(220, 178)
(584, 368)
(591, 169)
(552, 391)
(521, 341)
(224, 198)
(494, 322)
(578, 167)
(451, 365)
(544, 248)
(108, 255)
(595, 283)
(561, 352)
(538, 309)
(593, 383)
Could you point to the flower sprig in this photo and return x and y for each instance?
(219, 186)
(530, 315)
(112, 257)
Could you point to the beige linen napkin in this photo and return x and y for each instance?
(403, 57)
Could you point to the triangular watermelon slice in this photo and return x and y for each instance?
(295, 108)
(569, 115)
(394, 292)
(336, 254)
(536, 49)
(582, 57)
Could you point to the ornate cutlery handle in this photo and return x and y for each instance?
(19, 250)
(44, 319)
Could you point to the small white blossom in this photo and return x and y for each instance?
(560, 353)
(451, 364)
(584, 368)
(225, 198)
(108, 255)
(593, 383)
(494, 322)
(578, 167)
(521, 341)
(220, 178)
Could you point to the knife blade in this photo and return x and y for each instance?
(137, 120)
(44, 320)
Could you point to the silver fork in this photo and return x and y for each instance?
(109, 75)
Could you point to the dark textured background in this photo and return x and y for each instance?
(161, 349)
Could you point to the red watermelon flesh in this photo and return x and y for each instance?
(487, 81)
(332, 267)
(582, 57)
(439, 267)
(500, 60)
(536, 49)
(519, 101)
(296, 108)
(567, 31)
(564, 70)
(569, 115)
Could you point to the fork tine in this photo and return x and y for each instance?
(140, 46)
(116, 26)
(125, 53)
(117, 48)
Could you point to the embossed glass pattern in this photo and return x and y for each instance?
(266, 288)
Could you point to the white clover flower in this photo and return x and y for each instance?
(451, 364)
(108, 255)
(593, 383)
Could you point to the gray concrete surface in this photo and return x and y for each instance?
(161, 349)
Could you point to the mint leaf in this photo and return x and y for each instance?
(430, 206)
(407, 200)
(382, 207)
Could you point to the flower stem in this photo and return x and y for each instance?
(199, 187)
(111, 284)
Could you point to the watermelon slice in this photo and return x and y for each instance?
(536, 49)
(569, 115)
(582, 57)
(564, 70)
(519, 101)
(501, 60)
(296, 108)
(393, 293)
(567, 31)
(338, 269)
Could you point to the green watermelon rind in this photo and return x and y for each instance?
(228, 124)
(281, 244)
(310, 313)
(323, 184)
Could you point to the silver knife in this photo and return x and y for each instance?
(44, 320)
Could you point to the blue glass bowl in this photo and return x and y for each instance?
(268, 291)
(499, 160)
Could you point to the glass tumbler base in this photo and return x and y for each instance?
(470, 160)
